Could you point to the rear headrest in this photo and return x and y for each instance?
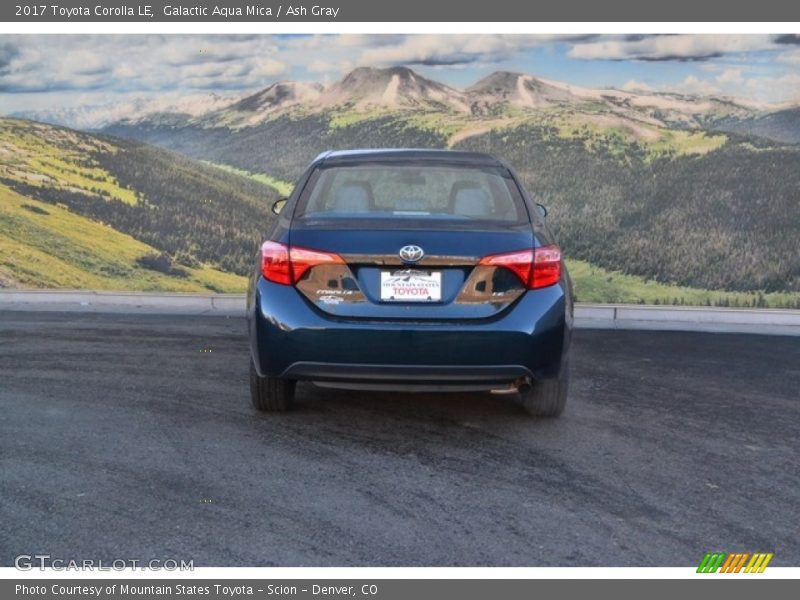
(351, 198)
(472, 202)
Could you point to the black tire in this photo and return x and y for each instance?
(548, 397)
(270, 394)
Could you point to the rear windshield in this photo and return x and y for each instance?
(453, 195)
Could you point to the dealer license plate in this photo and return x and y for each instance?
(410, 285)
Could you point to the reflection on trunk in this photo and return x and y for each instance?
(330, 287)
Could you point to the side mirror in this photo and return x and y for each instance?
(542, 209)
(278, 205)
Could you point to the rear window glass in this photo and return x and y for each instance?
(451, 194)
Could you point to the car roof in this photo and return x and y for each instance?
(384, 155)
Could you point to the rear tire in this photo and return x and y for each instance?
(270, 394)
(548, 397)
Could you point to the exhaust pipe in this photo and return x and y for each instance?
(521, 385)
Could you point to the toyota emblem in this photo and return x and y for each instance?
(411, 254)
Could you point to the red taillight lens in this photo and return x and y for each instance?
(286, 266)
(537, 268)
(275, 263)
(303, 259)
(546, 266)
(519, 262)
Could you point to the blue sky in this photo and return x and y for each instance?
(40, 72)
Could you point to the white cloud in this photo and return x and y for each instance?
(268, 67)
(361, 40)
(448, 49)
(188, 50)
(320, 66)
(792, 57)
(670, 47)
(733, 83)
(782, 88)
(139, 63)
(637, 86)
(87, 62)
(730, 76)
(695, 86)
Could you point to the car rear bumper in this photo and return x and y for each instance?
(290, 338)
(409, 377)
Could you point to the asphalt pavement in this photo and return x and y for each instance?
(132, 437)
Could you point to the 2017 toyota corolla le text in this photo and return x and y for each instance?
(411, 270)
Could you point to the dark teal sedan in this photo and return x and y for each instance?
(410, 270)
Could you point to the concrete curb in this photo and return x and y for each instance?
(587, 316)
(123, 302)
(688, 318)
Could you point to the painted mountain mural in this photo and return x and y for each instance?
(656, 197)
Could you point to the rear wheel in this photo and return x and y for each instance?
(270, 394)
(548, 397)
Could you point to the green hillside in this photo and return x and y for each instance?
(598, 285)
(46, 246)
(80, 211)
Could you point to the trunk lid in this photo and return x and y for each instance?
(445, 284)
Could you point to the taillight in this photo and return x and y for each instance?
(284, 265)
(303, 259)
(546, 267)
(537, 268)
(519, 262)
(275, 263)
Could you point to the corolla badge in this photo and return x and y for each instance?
(411, 254)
